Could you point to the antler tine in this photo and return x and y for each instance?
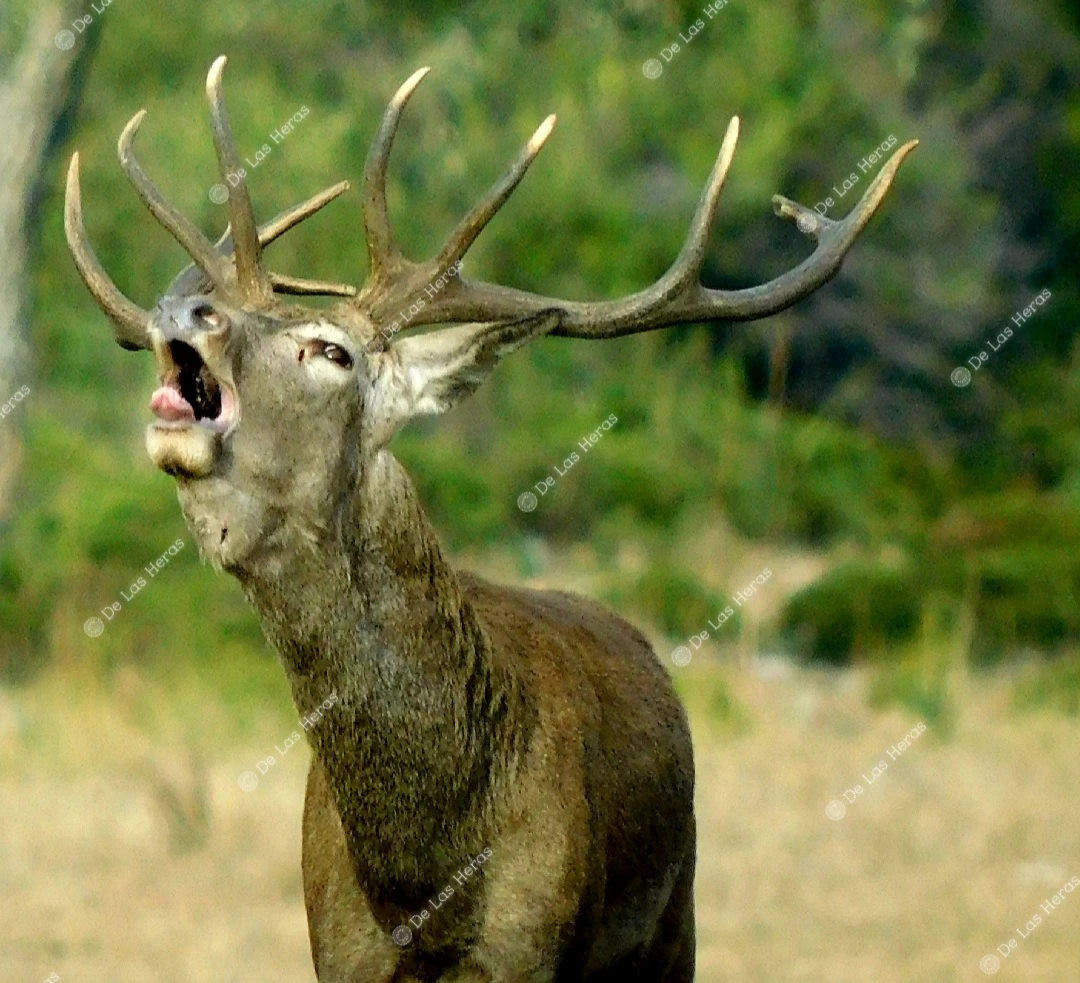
(247, 251)
(283, 284)
(288, 219)
(834, 239)
(197, 246)
(129, 319)
(678, 297)
(688, 263)
(187, 280)
(475, 222)
(382, 249)
(280, 224)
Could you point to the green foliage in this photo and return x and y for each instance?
(925, 675)
(1015, 556)
(24, 615)
(860, 609)
(971, 493)
(1054, 685)
(917, 688)
(670, 598)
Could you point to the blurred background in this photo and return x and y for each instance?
(906, 514)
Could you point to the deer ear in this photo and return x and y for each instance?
(427, 374)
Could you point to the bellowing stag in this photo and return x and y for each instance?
(530, 737)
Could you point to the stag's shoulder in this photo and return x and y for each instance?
(585, 660)
(553, 606)
(540, 618)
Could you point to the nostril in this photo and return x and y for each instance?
(206, 312)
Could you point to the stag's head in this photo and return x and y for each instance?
(268, 412)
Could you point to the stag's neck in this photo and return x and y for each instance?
(424, 725)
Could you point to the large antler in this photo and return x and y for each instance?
(233, 264)
(677, 297)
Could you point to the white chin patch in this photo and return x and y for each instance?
(190, 452)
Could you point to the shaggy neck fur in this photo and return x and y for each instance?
(426, 726)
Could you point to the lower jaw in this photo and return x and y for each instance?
(191, 452)
(226, 523)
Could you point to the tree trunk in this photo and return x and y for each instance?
(36, 90)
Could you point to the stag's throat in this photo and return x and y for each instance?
(425, 724)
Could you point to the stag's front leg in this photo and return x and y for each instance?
(539, 886)
(347, 944)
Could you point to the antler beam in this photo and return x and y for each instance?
(676, 298)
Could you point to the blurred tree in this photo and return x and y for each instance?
(994, 94)
(37, 90)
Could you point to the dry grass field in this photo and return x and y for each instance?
(129, 852)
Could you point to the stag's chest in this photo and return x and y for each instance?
(354, 910)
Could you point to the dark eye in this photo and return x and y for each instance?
(329, 351)
(337, 355)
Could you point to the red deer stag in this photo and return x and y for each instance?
(523, 748)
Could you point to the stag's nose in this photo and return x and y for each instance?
(190, 319)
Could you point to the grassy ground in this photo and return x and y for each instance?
(130, 852)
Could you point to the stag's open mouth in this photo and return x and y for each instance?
(190, 394)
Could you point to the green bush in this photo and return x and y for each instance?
(670, 598)
(917, 686)
(1015, 557)
(1053, 685)
(24, 622)
(858, 610)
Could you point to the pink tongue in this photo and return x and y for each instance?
(168, 404)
